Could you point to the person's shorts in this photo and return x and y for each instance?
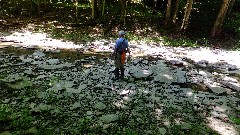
(118, 63)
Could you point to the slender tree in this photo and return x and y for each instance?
(175, 11)
(168, 12)
(123, 7)
(76, 5)
(38, 5)
(188, 9)
(94, 8)
(103, 7)
(216, 30)
(45, 4)
(231, 6)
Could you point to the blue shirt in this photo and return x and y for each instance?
(123, 46)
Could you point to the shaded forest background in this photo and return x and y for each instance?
(204, 22)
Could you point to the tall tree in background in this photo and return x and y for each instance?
(76, 5)
(230, 6)
(45, 4)
(175, 11)
(188, 9)
(123, 9)
(94, 8)
(38, 5)
(168, 12)
(220, 18)
(103, 7)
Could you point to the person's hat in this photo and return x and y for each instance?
(122, 32)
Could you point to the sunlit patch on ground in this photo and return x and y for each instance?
(221, 127)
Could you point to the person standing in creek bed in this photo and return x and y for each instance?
(120, 49)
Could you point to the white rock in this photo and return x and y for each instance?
(124, 92)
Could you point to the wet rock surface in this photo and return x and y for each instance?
(153, 90)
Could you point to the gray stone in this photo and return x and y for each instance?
(53, 61)
(28, 72)
(100, 106)
(138, 73)
(186, 126)
(38, 54)
(180, 75)
(162, 131)
(216, 89)
(75, 106)
(232, 85)
(108, 118)
(26, 60)
(72, 90)
(176, 62)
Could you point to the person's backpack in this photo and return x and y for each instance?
(123, 56)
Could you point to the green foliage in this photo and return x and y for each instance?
(233, 23)
(18, 121)
(235, 120)
(180, 42)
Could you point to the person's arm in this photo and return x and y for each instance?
(115, 46)
(128, 50)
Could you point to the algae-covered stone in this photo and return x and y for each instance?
(100, 106)
(162, 131)
(32, 130)
(109, 118)
(6, 133)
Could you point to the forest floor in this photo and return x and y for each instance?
(51, 86)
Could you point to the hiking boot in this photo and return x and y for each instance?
(122, 73)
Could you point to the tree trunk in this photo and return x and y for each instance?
(94, 8)
(123, 6)
(45, 4)
(103, 7)
(168, 12)
(76, 4)
(220, 18)
(99, 5)
(230, 6)
(15, 4)
(188, 9)
(175, 11)
(38, 5)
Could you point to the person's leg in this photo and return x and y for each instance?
(122, 72)
(116, 73)
(117, 65)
